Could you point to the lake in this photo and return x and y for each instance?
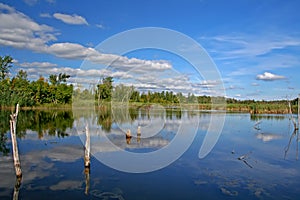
(255, 156)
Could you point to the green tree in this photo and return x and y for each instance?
(58, 79)
(135, 96)
(60, 92)
(53, 79)
(21, 92)
(5, 65)
(41, 91)
(5, 92)
(104, 90)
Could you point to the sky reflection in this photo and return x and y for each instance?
(54, 167)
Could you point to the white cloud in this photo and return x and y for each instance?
(19, 31)
(70, 19)
(71, 51)
(241, 56)
(255, 84)
(36, 64)
(234, 87)
(100, 26)
(209, 83)
(45, 15)
(267, 76)
(241, 45)
(77, 51)
(37, 71)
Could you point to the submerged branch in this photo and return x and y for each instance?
(244, 159)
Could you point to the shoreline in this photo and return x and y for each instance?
(239, 108)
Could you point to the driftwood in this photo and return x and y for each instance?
(13, 133)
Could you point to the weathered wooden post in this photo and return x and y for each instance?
(128, 136)
(13, 133)
(87, 147)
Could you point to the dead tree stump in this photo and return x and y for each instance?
(13, 133)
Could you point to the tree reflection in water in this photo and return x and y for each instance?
(46, 122)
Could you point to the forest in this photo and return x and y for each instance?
(55, 90)
(19, 89)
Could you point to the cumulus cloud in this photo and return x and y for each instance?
(209, 83)
(123, 63)
(45, 15)
(36, 64)
(70, 19)
(19, 31)
(71, 50)
(267, 76)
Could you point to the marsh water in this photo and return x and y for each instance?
(255, 156)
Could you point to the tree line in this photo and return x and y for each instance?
(19, 89)
(106, 92)
(55, 90)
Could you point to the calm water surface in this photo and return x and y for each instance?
(52, 151)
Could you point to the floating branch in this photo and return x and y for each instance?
(244, 157)
(13, 133)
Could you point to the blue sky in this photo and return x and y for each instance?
(254, 44)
